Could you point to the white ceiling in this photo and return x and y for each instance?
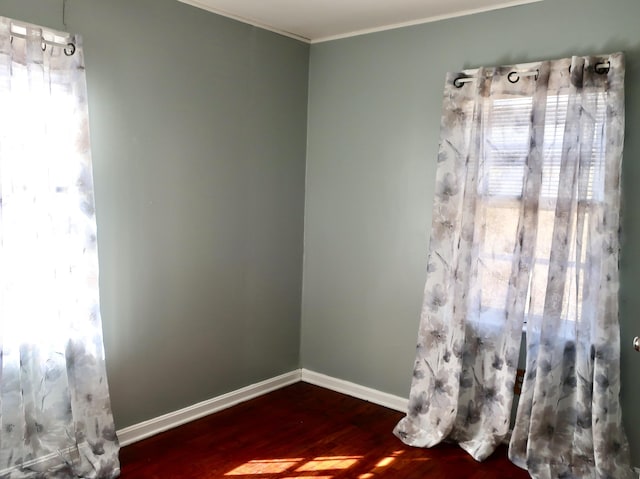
(321, 20)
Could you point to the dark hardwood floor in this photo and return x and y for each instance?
(301, 431)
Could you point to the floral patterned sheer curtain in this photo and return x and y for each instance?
(525, 234)
(55, 416)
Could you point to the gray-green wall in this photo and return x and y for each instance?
(198, 131)
(374, 110)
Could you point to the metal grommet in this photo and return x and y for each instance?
(602, 68)
(71, 51)
(458, 83)
(43, 45)
(513, 77)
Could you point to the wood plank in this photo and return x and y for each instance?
(301, 431)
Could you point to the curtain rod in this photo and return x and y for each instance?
(69, 48)
(513, 77)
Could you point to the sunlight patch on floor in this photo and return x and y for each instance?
(294, 468)
(382, 464)
(301, 468)
(329, 463)
(262, 466)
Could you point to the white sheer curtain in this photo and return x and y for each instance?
(525, 228)
(55, 411)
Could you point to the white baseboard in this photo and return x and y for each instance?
(154, 426)
(396, 403)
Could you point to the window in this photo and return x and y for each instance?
(500, 187)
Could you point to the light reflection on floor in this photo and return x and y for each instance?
(323, 467)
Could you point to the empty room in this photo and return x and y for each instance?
(337, 239)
